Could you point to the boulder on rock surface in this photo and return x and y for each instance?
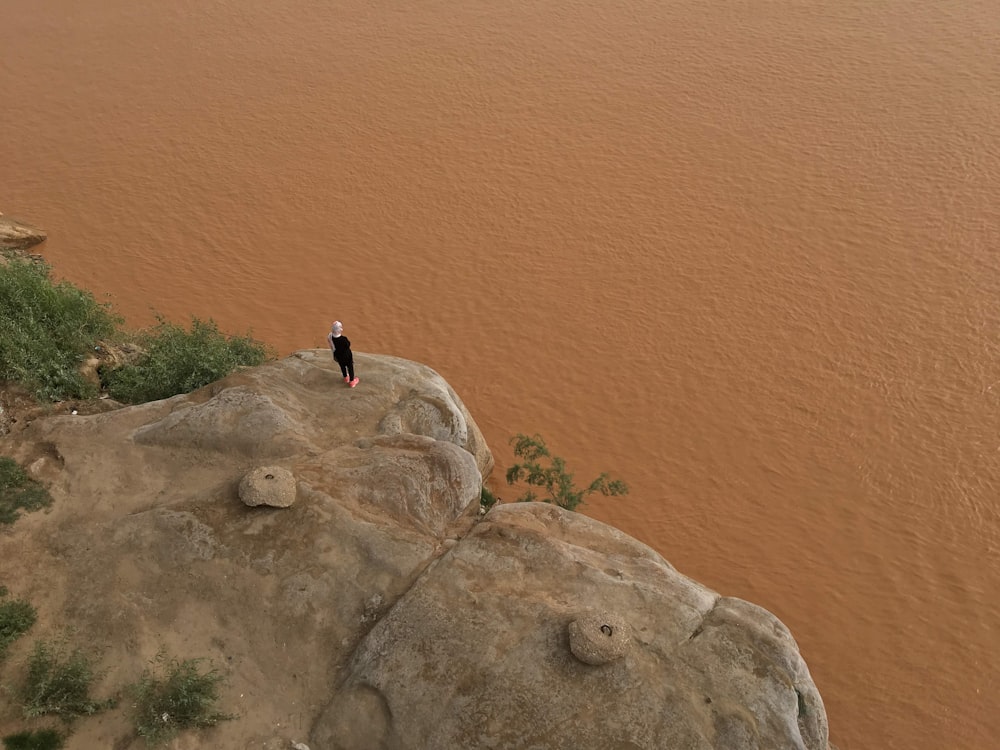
(596, 638)
(268, 485)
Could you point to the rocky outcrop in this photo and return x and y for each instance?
(17, 235)
(477, 653)
(379, 612)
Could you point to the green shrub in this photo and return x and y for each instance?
(553, 479)
(18, 491)
(41, 739)
(180, 361)
(16, 618)
(47, 330)
(59, 681)
(174, 697)
(486, 500)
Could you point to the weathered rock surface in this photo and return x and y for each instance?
(378, 612)
(476, 653)
(17, 235)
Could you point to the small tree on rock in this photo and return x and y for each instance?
(541, 469)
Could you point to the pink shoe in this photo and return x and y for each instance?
(347, 378)
(353, 382)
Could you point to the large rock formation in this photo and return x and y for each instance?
(378, 611)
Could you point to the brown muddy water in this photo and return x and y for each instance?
(742, 254)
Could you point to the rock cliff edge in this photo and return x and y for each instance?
(323, 547)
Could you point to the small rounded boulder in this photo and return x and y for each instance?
(268, 485)
(598, 638)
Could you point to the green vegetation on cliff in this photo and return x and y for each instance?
(40, 739)
(48, 331)
(18, 491)
(58, 682)
(176, 695)
(179, 361)
(16, 618)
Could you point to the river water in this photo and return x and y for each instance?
(744, 255)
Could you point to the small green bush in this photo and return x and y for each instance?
(16, 618)
(47, 330)
(59, 681)
(553, 479)
(180, 361)
(41, 739)
(18, 491)
(487, 500)
(176, 696)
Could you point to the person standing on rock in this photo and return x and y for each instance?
(340, 345)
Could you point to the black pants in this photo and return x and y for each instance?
(348, 368)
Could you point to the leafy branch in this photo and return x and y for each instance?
(539, 468)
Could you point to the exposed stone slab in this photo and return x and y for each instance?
(19, 235)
